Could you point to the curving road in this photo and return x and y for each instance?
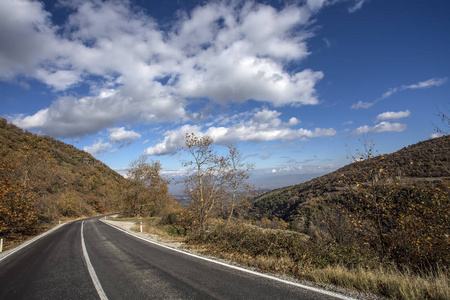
(93, 260)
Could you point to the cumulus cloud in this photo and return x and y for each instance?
(221, 51)
(381, 127)
(72, 117)
(123, 137)
(263, 126)
(118, 137)
(433, 82)
(391, 115)
(98, 148)
(245, 54)
(27, 39)
(173, 140)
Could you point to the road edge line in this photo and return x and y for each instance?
(317, 290)
(29, 242)
(91, 270)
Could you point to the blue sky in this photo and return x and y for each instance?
(290, 82)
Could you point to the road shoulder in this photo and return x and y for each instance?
(6, 253)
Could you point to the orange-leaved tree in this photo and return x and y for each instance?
(147, 192)
(17, 212)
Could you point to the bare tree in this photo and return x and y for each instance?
(214, 181)
(445, 128)
(204, 184)
(238, 172)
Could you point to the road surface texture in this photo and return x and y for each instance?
(93, 260)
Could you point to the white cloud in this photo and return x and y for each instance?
(433, 82)
(436, 135)
(97, 148)
(27, 39)
(245, 58)
(173, 140)
(262, 127)
(71, 117)
(222, 51)
(363, 105)
(175, 173)
(381, 127)
(118, 137)
(293, 121)
(391, 115)
(265, 116)
(426, 84)
(357, 6)
(123, 137)
(389, 93)
(287, 170)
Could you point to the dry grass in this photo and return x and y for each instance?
(389, 283)
(243, 244)
(286, 256)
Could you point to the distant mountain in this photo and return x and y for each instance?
(43, 179)
(425, 161)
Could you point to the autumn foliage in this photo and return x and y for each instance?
(17, 209)
(392, 209)
(146, 193)
(43, 180)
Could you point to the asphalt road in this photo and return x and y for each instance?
(120, 266)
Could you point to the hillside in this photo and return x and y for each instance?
(43, 179)
(425, 161)
(392, 208)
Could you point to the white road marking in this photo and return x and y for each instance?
(7, 253)
(332, 294)
(91, 270)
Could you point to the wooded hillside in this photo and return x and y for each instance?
(427, 161)
(43, 179)
(391, 207)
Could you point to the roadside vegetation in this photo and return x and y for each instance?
(373, 226)
(378, 225)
